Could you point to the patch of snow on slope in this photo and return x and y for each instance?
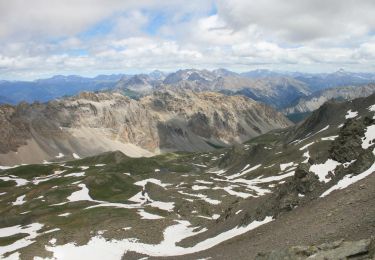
(218, 172)
(75, 174)
(322, 170)
(60, 155)
(64, 214)
(199, 187)
(100, 248)
(202, 197)
(283, 166)
(31, 230)
(306, 146)
(349, 180)
(329, 138)
(200, 165)
(351, 114)
(82, 194)
(252, 184)
(38, 180)
(368, 139)
(243, 172)
(321, 130)
(19, 201)
(372, 109)
(307, 156)
(269, 166)
(76, 156)
(19, 181)
(8, 167)
(152, 180)
(146, 215)
(229, 190)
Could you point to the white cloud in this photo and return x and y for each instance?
(296, 20)
(43, 37)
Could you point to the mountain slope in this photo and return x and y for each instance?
(275, 91)
(307, 184)
(314, 101)
(164, 121)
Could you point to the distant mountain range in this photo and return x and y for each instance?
(43, 90)
(278, 89)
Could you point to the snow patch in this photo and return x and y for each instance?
(60, 155)
(98, 247)
(349, 180)
(19, 201)
(82, 194)
(76, 156)
(243, 172)
(351, 114)
(64, 214)
(75, 174)
(198, 187)
(329, 138)
(146, 215)
(283, 166)
(202, 197)
(305, 146)
(307, 156)
(30, 229)
(19, 181)
(368, 139)
(322, 170)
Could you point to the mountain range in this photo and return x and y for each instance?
(277, 89)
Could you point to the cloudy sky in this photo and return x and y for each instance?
(39, 38)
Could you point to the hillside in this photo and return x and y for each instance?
(309, 184)
(315, 100)
(92, 123)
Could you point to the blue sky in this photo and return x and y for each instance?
(40, 38)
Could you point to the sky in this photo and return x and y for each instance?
(40, 38)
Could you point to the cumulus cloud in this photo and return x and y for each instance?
(45, 37)
(297, 20)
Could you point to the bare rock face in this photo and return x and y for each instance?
(314, 101)
(91, 123)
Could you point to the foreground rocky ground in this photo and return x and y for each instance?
(303, 186)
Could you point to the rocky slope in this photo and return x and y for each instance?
(361, 250)
(314, 101)
(164, 121)
(310, 184)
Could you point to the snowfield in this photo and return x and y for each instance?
(100, 248)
